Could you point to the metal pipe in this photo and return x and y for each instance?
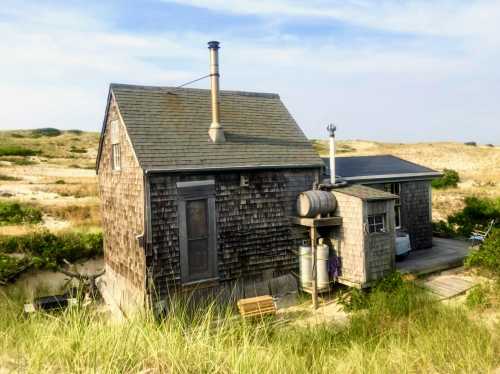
(216, 132)
(331, 130)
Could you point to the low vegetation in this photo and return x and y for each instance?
(77, 190)
(46, 131)
(14, 150)
(450, 178)
(4, 177)
(79, 215)
(487, 256)
(401, 329)
(13, 213)
(46, 250)
(477, 212)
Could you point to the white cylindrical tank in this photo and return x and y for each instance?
(305, 266)
(322, 253)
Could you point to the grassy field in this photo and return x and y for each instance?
(401, 331)
(54, 172)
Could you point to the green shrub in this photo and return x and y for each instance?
(15, 150)
(75, 131)
(391, 295)
(488, 254)
(77, 150)
(46, 131)
(11, 266)
(450, 178)
(477, 212)
(60, 181)
(12, 213)
(4, 177)
(443, 229)
(48, 250)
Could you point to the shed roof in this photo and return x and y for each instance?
(365, 193)
(378, 168)
(168, 128)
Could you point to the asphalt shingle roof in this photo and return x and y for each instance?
(365, 193)
(377, 167)
(168, 128)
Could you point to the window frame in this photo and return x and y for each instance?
(190, 191)
(395, 189)
(116, 157)
(116, 152)
(382, 224)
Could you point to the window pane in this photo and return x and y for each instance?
(198, 256)
(196, 217)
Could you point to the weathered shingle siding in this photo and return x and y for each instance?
(380, 246)
(416, 213)
(254, 234)
(350, 237)
(122, 209)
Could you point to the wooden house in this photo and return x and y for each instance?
(198, 188)
(182, 208)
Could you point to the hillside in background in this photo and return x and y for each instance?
(54, 171)
(478, 166)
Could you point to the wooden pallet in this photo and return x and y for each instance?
(256, 306)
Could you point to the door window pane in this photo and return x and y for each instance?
(196, 216)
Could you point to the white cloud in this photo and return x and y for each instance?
(440, 17)
(57, 64)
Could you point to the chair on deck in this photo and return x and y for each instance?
(478, 236)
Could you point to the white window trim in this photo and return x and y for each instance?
(388, 187)
(384, 223)
(116, 161)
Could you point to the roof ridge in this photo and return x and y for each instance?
(172, 90)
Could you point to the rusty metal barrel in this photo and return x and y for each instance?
(314, 202)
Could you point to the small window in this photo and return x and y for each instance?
(376, 223)
(395, 189)
(116, 157)
(115, 146)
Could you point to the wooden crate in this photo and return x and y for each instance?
(256, 306)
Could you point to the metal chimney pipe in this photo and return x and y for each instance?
(331, 128)
(215, 132)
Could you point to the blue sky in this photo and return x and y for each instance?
(401, 71)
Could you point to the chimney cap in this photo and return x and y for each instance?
(213, 44)
(331, 128)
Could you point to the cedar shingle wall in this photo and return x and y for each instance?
(122, 201)
(349, 238)
(380, 247)
(253, 230)
(416, 213)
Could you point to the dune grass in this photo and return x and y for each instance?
(393, 335)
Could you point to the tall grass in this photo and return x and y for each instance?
(384, 338)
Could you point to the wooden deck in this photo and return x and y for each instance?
(445, 254)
